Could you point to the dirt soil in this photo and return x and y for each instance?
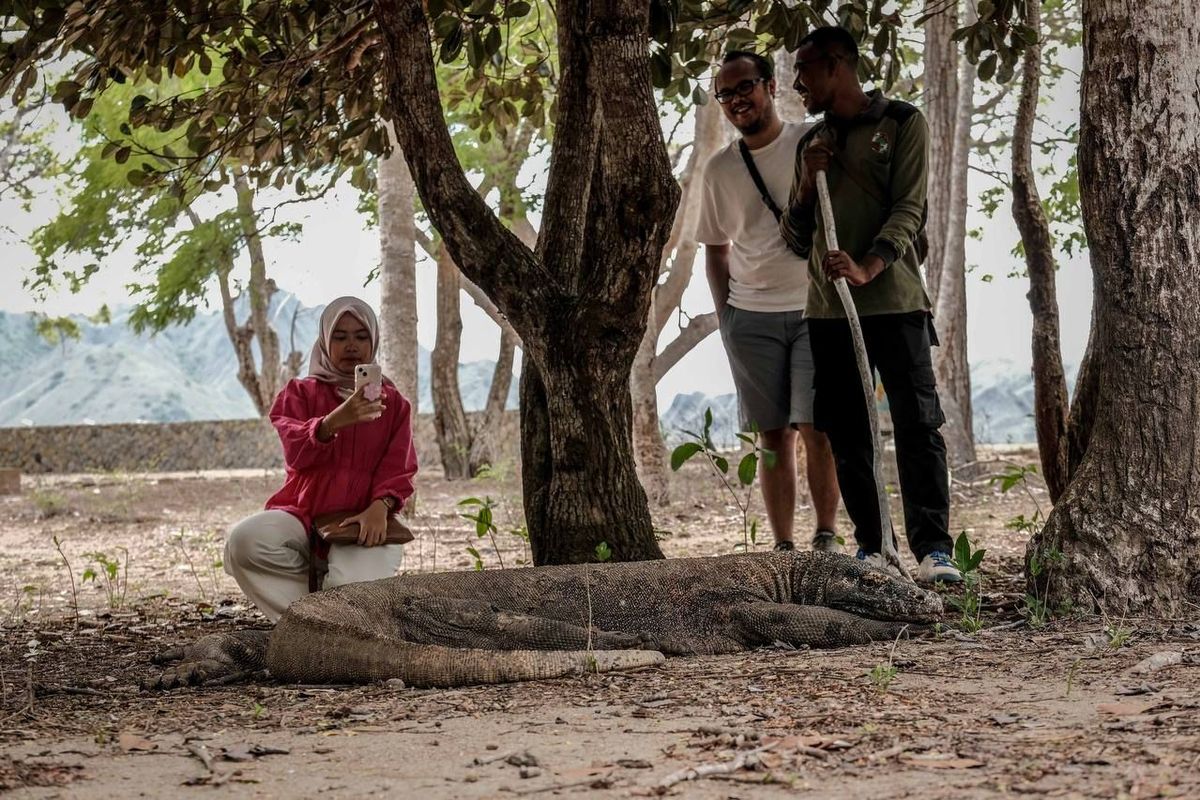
(1021, 707)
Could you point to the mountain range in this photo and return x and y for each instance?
(188, 372)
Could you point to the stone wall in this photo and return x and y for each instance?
(181, 446)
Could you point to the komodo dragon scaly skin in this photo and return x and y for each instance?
(461, 628)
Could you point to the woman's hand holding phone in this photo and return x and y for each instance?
(354, 409)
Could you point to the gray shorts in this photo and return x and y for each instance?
(772, 365)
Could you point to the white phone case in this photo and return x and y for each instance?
(371, 376)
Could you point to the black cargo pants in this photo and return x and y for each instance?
(898, 347)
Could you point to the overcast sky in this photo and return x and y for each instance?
(336, 252)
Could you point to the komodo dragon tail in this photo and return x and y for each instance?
(309, 652)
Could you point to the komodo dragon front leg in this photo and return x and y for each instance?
(216, 658)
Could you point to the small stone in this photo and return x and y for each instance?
(530, 772)
(522, 759)
(470, 777)
(395, 684)
(492, 747)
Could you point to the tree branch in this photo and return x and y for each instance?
(486, 252)
(707, 140)
(576, 144)
(697, 330)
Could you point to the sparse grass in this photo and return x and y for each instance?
(49, 503)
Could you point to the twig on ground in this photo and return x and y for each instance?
(200, 751)
(595, 782)
(748, 758)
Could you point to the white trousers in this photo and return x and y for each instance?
(267, 554)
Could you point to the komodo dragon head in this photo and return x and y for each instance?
(851, 585)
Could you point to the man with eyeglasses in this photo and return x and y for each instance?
(759, 286)
(874, 152)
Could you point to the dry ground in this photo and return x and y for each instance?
(1049, 710)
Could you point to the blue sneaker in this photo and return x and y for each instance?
(937, 566)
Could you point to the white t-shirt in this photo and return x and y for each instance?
(764, 274)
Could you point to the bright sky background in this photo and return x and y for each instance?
(336, 252)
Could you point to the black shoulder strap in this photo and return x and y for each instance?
(758, 181)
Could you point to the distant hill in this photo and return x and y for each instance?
(1001, 398)
(189, 373)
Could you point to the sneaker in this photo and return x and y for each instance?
(784, 546)
(937, 566)
(877, 561)
(824, 541)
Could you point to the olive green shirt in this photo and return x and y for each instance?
(893, 158)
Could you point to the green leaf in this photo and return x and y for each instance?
(471, 501)
(708, 419)
(748, 468)
(987, 67)
(89, 574)
(722, 464)
(603, 552)
(699, 96)
(122, 154)
(517, 9)
(682, 453)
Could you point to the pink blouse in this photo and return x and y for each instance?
(360, 464)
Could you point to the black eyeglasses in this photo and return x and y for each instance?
(741, 90)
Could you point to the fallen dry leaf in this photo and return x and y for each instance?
(1126, 708)
(131, 742)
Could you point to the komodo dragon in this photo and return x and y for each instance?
(461, 628)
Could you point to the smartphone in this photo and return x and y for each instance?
(370, 376)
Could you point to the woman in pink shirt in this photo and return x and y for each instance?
(343, 453)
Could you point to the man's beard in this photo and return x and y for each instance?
(753, 126)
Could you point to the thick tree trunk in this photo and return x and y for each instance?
(398, 275)
(950, 89)
(449, 418)
(579, 303)
(1128, 526)
(1049, 382)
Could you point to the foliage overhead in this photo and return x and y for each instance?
(295, 88)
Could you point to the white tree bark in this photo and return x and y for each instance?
(681, 249)
(398, 275)
(949, 106)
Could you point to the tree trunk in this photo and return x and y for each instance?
(398, 275)
(483, 442)
(648, 447)
(263, 383)
(1049, 383)
(449, 418)
(949, 90)
(680, 253)
(1128, 525)
(579, 303)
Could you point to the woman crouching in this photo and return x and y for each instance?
(344, 453)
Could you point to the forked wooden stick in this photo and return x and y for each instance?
(868, 382)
